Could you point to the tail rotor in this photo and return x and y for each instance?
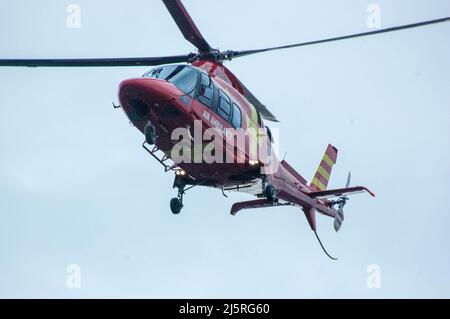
(341, 202)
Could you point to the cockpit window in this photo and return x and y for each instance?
(160, 72)
(182, 76)
(152, 73)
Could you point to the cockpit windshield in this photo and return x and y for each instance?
(182, 76)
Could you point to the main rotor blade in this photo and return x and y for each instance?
(261, 108)
(96, 62)
(187, 25)
(357, 35)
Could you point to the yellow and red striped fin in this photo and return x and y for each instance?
(322, 176)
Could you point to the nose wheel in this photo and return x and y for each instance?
(176, 203)
(180, 182)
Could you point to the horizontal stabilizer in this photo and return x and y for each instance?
(340, 192)
(258, 203)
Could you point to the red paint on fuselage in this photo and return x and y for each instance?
(162, 103)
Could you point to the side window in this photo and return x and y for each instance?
(224, 109)
(237, 117)
(206, 93)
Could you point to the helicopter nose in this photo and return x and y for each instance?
(147, 89)
(137, 96)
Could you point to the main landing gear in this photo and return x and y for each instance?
(269, 191)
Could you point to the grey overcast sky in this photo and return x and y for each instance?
(76, 187)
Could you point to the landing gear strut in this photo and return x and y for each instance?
(176, 203)
(180, 182)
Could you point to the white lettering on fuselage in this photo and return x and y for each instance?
(215, 123)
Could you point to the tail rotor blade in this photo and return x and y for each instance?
(349, 178)
(338, 219)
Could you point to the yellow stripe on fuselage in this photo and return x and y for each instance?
(254, 136)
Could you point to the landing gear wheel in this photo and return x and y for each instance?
(270, 193)
(176, 205)
(150, 134)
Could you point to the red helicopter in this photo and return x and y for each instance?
(197, 88)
